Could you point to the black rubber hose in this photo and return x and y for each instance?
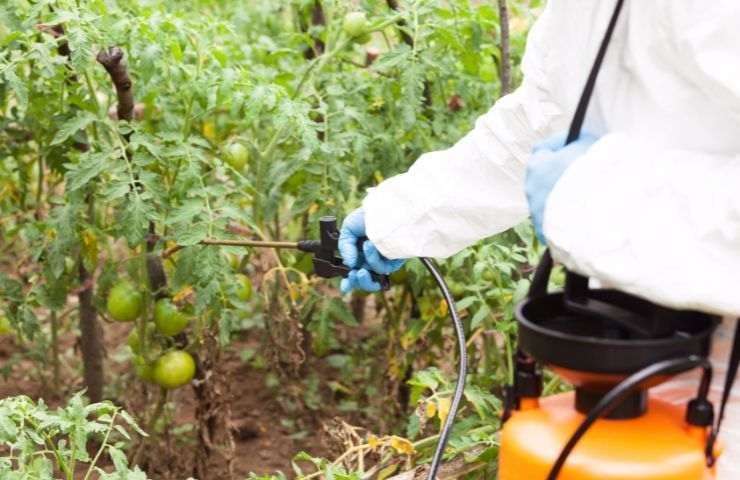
(462, 368)
(618, 393)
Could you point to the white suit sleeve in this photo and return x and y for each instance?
(450, 199)
(656, 222)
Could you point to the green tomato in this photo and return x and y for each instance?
(5, 327)
(355, 23)
(134, 341)
(457, 289)
(363, 38)
(168, 319)
(174, 369)
(125, 303)
(243, 287)
(237, 156)
(233, 259)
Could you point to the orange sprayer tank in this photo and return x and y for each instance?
(612, 347)
(658, 445)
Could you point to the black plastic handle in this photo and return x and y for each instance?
(326, 262)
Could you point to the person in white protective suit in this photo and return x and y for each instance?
(648, 202)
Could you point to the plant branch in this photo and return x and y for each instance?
(158, 409)
(505, 48)
(114, 63)
(233, 243)
(102, 446)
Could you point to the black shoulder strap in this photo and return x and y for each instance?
(576, 283)
(580, 115)
(732, 369)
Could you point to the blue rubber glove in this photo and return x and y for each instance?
(370, 259)
(548, 162)
(360, 279)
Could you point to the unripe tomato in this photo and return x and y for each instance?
(168, 319)
(5, 327)
(363, 38)
(237, 155)
(134, 341)
(233, 260)
(174, 369)
(243, 287)
(457, 289)
(355, 23)
(125, 303)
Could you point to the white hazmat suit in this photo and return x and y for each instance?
(652, 208)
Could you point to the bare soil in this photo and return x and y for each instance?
(266, 435)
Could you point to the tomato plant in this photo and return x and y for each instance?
(133, 132)
(42, 441)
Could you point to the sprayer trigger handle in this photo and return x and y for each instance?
(383, 280)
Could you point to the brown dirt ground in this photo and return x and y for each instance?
(263, 443)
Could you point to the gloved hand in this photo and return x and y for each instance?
(361, 263)
(547, 164)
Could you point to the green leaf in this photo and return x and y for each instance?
(192, 234)
(426, 378)
(466, 302)
(72, 126)
(479, 316)
(80, 47)
(19, 87)
(341, 311)
(90, 166)
(394, 58)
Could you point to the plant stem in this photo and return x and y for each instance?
(91, 334)
(102, 447)
(55, 348)
(505, 48)
(158, 409)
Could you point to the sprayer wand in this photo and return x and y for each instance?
(326, 262)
